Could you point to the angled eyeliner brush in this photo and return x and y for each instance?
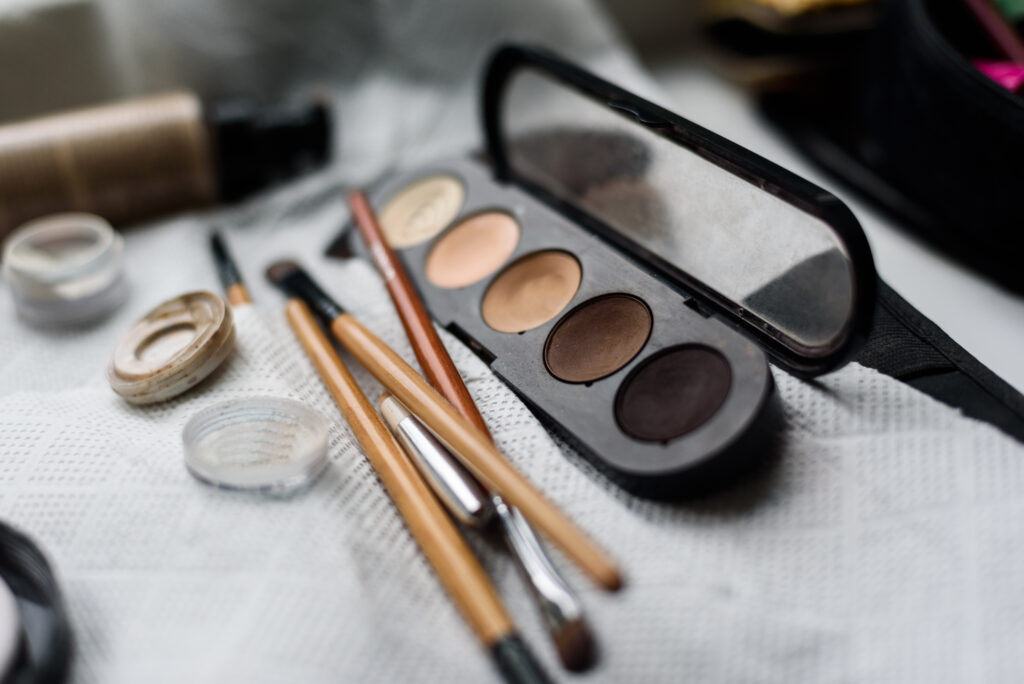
(227, 271)
(467, 442)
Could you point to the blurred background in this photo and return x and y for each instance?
(909, 111)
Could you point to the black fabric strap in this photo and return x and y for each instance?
(907, 346)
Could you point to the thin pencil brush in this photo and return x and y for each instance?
(227, 271)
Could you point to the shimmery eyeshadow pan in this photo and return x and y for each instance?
(597, 338)
(531, 291)
(673, 393)
(472, 250)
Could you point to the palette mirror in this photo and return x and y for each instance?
(656, 190)
(629, 274)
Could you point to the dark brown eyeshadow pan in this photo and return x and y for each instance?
(673, 393)
(597, 338)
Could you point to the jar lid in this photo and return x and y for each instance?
(172, 348)
(10, 630)
(65, 269)
(264, 444)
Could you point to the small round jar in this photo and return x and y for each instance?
(265, 444)
(65, 269)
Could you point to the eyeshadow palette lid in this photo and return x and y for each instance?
(768, 252)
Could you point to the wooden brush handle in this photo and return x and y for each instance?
(436, 534)
(430, 351)
(237, 295)
(473, 448)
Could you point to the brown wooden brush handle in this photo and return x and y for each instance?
(430, 351)
(436, 534)
(474, 449)
(237, 294)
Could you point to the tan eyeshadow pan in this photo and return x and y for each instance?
(421, 210)
(531, 291)
(472, 250)
(597, 338)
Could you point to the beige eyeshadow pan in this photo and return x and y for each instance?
(472, 250)
(531, 291)
(421, 210)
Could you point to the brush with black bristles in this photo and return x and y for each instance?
(440, 541)
(466, 441)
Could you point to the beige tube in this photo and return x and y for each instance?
(125, 161)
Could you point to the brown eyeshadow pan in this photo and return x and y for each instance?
(673, 393)
(597, 338)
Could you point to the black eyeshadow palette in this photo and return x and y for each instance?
(629, 274)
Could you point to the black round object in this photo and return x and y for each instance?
(45, 656)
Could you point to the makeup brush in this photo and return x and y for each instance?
(561, 608)
(438, 538)
(227, 271)
(471, 505)
(472, 447)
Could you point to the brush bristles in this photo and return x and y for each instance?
(279, 270)
(576, 647)
(295, 282)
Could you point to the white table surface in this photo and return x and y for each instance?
(984, 318)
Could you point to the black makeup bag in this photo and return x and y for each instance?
(914, 126)
(911, 125)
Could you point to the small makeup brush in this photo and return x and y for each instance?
(227, 271)
(438, 538)
(473, 506)
(464, 439)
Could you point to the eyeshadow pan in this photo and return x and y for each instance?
(421, 210)
(531, 291)
(672, 393)
(597, 338)
(472, 250)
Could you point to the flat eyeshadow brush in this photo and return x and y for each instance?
(570, 634)
(227, 271)
(473, 506)
(466, 441)
(453, 561)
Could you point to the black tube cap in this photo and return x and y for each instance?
(517, 664)
(256, 148)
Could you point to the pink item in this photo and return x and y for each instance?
(1007, 74)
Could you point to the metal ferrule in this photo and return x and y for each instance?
(558, 602)
(461, 494)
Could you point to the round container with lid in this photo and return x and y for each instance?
(65, 269)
